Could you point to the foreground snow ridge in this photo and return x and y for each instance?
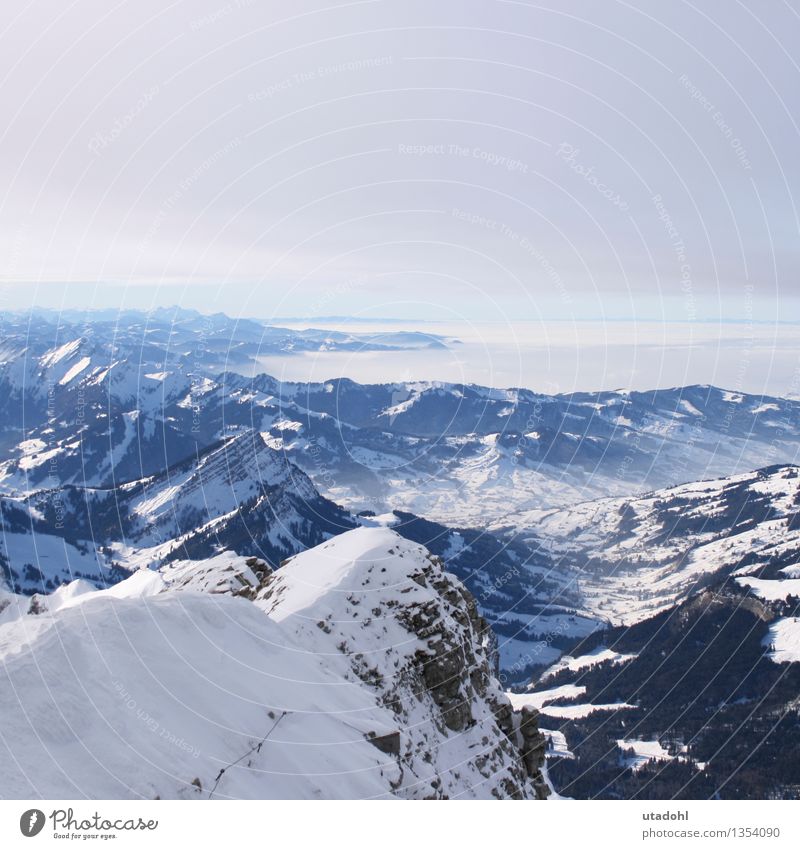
(360, 669)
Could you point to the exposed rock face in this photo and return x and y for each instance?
(37, 605)
(412, 633)
(533, 745)
(227, 574)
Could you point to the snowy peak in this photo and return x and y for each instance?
(218, 480)
(122, 397)
(364, 561)
(339, 681)
(223, 574)
(457, 453)
(238, 496)
(412, 633)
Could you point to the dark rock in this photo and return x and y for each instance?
(389, 744)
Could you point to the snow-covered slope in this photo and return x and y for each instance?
(238, 495)
(123, 444)
(361, 671)
(634, 557)
(412, 634)
(102, 401)
(153, 697)
(99, 398)
(713, 682)
(468, 454)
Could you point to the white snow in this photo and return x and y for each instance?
(650, 570)
(688, 407)
(575, 664)
(31, 446)
(581, 711)
(557, 744)
(771, 590)
(518, 654)
(141, 691)
(644, 752)
(31, 459)
(543, 702)
(784, 635)
(543, 697)
(53, 556)
(327, 567)
(55, 355)
(353, 592)
(75, 370)
(137, 698)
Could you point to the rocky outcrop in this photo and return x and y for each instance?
(533, 744)
(412, 633)
(227, 574)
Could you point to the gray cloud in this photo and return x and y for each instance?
(584, 160)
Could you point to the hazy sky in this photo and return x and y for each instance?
(448, 159)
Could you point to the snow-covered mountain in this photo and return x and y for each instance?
(239, 496)
(634, 557)
(159, 456)
(361, 670)
(99, 398)
(105, 402)
(599, 542)
(688, 686)
(532, 604)
(459, 453)
(698, 701)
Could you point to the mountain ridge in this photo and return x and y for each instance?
(410, 706)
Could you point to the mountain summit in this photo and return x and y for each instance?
(361, 670)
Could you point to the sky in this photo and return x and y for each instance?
(456, 161)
